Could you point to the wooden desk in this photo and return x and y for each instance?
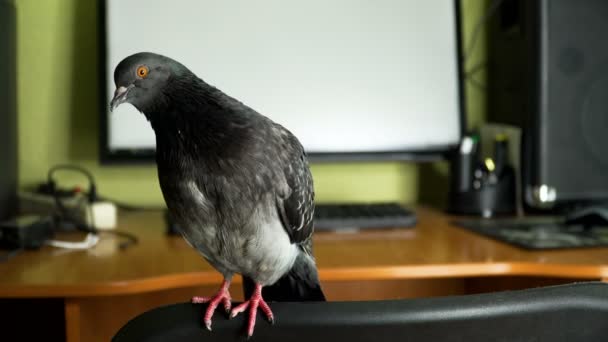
(100, 289)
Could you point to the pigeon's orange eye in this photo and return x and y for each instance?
(142, 71)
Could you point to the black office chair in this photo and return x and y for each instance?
(577, 312)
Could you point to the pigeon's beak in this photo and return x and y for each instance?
(120, 96)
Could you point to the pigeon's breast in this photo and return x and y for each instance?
(269, 252)
(252, 242)
(198, 221)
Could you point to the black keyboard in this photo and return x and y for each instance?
(533, 233)
(362, 216)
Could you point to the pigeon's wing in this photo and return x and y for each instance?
(296, 204)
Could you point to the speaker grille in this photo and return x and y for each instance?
(549, 74)
(594, 121)
(574, 99)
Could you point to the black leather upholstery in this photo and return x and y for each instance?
(577, 312)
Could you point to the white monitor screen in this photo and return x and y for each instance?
(344, 76)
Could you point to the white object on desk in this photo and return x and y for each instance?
(102, 215)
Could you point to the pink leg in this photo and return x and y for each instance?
(223, 295)
(253, 303)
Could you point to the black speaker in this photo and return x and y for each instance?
(548, 72)
(8, 110)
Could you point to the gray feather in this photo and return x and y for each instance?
(236, 182)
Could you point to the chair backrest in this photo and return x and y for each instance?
(576, 312)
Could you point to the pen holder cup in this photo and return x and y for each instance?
(490, 199)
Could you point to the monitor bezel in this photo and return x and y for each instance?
(109, 156)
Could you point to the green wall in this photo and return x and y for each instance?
(58, 122)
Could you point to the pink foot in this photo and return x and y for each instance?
(223, 295)
(253, 303)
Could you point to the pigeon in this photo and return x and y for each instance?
(237, 183)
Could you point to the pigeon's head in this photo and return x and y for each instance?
(141, 78)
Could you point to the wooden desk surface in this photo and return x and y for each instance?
(434, 249)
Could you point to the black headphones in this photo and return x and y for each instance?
(50, 188)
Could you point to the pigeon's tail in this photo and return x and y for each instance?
(300, 284)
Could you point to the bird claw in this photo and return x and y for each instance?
(238, 309)
(200, 300)
(223, 296)
(252, 304)
(227, 305)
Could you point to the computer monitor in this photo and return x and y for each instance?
(352, 79)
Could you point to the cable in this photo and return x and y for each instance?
(478, 26)
(92, 193)
(473, 70)
(468, 75)
(89, 242)
(477, 84)
(131, 239)
(82, 224)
